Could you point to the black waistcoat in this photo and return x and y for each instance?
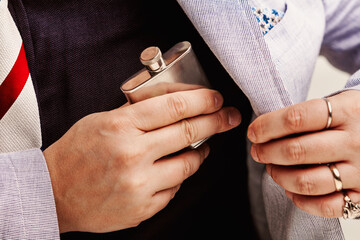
(79, 53)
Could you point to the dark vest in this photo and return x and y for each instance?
(79, 53)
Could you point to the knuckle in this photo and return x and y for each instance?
(117, 124)
(305, 184)
(353, 140)
(133, 183)
(295, 151)
(298, 201)
(177, 105)
(273, 174)
(327, 210)
(260, 153)
(93, 116)
(189, 132)
(301, 202)
(129, 156)
(259, 127)
(355, 109)
(131, 118)
(220, 122)
(210, 99)
(213, 99)
(356, 174)
(294, 118)
(188, 168)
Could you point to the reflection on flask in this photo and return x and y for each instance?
(177, 70)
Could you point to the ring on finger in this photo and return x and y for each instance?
(329, 108)
(351, 210)
(336, 174)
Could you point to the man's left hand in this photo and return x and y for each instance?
(297, 148)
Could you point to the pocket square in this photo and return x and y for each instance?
(267, 18)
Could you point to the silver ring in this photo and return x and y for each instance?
(351, 210)
(329, 120)
(336, 174)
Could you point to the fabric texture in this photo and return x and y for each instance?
(27, 208)
(19, 120)
(267, 18)
(78, 61)
(229, 26)
(275, 71)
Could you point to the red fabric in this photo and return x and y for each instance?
(14, 83)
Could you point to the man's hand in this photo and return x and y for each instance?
(112, 170)
(297, 149)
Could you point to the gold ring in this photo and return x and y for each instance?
(336, 174)
(329, 120)
(351, 210)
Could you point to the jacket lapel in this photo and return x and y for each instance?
(232, 33)
(230, 30)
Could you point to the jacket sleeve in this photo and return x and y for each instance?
(341, 45)
(27, 207)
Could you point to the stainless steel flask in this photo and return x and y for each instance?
(176, 70)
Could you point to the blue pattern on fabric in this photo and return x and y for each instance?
(267, 18)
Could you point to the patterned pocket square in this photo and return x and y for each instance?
(267, 18)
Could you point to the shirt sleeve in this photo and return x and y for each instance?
(341, 45)
(27, 206)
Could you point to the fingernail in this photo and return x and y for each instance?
(234, 117)
(254, 153)
(251, 135)
(218, 100)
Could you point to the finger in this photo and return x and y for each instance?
(172, 171)
(308, 116)
(313, 148)
(161, 199)
(330, 206)
(164, 87)
(163, 110)
(125, 105)
(315, 180)
(349, 175)
(160, 89)
(170, 139)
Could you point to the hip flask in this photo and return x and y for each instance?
(176, 70)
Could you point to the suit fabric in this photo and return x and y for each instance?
(78, 61)
(274, 72)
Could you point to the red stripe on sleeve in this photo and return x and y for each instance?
(14, 83)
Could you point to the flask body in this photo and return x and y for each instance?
(177, 70)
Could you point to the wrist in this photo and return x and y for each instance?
(50, 155)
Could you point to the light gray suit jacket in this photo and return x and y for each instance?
(274, 71)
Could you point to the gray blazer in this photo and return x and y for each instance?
(274, 71)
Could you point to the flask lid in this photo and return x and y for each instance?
(152, 59)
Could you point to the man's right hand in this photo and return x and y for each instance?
(112, 170)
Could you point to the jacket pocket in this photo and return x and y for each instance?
(281, 37)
